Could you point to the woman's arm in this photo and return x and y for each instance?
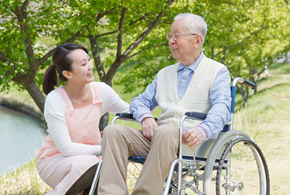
(112, 102)
(54, 113)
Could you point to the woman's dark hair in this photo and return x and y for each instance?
(61, 62)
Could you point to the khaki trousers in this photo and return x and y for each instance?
(120, 142)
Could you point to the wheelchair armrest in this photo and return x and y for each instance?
(198, 115)
(125, 115)
(128, 116)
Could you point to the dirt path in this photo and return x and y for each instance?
(276, 146)
(277, 153)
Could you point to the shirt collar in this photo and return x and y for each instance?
(193, 66)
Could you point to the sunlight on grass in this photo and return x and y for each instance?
(23, 181)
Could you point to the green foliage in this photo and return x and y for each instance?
(244, 35)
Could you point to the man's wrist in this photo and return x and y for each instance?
(203, 132)
(143, 116)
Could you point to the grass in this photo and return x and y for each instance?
(265, 119)
(23, 181)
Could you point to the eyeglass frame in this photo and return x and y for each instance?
(173, 35)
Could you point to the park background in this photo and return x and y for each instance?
(127, 43)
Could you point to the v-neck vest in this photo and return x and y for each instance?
(196, 97)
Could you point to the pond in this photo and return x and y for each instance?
(20, 139)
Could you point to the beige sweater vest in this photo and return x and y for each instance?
(196, 97)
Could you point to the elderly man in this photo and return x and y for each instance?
(195, 83)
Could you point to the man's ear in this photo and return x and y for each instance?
(198, 41)
(66, 74)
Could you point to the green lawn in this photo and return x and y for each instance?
(266, 119)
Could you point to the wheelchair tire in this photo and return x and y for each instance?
(220, 144)
(245, 173)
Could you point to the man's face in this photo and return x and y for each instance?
(182, 48)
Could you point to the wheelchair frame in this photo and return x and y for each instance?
(211, 155)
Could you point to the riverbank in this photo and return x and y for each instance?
(20, 107)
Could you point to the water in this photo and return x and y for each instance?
(20, 139)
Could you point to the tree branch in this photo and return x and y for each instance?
(4, 59)
(139, 39)
(239, 54)
(24, 8)
(164, 44)
(22, 18)
(146, 31)
(241, 42)
(104, 34)
(121, 24)
(50, 53)
(135, 21)
(102, 14)
(96, 56)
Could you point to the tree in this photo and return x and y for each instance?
(23, 23)
(243, 35)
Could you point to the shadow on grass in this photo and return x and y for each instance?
(241, 103)
(282, 68)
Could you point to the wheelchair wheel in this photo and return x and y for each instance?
(211, 166)
(242, 170)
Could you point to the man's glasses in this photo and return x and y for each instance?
(175, 36)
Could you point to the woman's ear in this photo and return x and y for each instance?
(66, 74)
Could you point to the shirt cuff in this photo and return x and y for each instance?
(203, 132)
(145, 115)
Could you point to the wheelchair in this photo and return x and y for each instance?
(230, 164)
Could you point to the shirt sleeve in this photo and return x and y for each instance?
(219, 114)
(142, 105)
(112, 102)
(54, 114)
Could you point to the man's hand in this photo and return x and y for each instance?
(149, 125)
(192, 137)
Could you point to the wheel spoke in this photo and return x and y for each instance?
(246, 171)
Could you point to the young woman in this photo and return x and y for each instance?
(70, 153)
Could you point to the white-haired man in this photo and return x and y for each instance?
(195, 83)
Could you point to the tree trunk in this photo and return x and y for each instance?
(256, 83)
(245, 94)
(286, 59)
(36, 95)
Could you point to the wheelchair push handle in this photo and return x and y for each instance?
(245, 82)
(249, 84)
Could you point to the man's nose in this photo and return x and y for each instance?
(171, 41)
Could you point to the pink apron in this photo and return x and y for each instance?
(61, 172)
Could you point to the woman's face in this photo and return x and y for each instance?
(82, 67)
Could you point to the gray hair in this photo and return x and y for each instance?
(193, 24)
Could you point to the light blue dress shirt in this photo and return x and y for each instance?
(220, 97)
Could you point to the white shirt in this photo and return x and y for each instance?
(54, 114)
